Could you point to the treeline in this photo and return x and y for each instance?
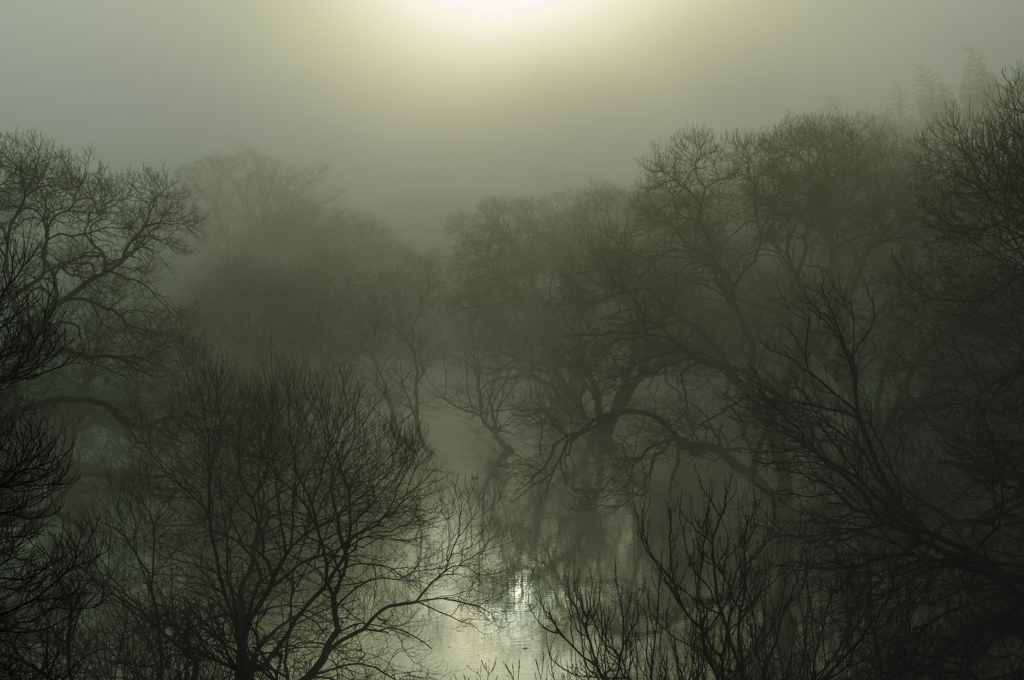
(226, 473)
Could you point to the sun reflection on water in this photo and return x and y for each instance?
(520, 592)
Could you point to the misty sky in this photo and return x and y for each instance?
(424, 106)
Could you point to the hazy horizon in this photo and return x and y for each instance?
(422, 107)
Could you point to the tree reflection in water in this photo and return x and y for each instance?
(547, 539)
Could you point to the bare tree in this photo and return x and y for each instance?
(903, 487)
(399, 325)
(882, 386)
(253, 198)
(287, 528)
(46, 559)
(287, 266)
(631, 324)
(528, 352)
(99, 242)
(727, 596)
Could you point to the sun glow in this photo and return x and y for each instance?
(497, 7)
(499, 15)
(469, 60)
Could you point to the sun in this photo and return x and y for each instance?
(492, 19)
(462, 41)
(497, 7)
(505, 12)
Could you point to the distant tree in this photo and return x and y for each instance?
(978, 83)
(399, 317)
(288, 264)
(281, 526)
(834, 104)
(255, 201)
(930, 94)
(898, 111)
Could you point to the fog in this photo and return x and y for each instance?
(479, 339)
(421, 107)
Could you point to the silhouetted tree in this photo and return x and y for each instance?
(720, 228)
(890, 494)
(529, 351)
(46, 558)
(98, 243)
(904, 438)
(883, 387)
(281, 526)
(726, 596)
